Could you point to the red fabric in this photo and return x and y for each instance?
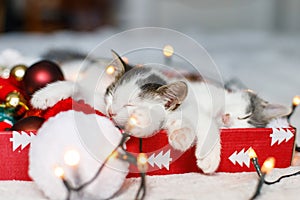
(235, 140)
(5, 126)
(13, 164)
(5, 88)
(69, 104)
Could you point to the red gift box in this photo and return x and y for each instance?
(162, 158)
(14, 149)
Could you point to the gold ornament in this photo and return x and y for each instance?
(14, 99)
(18, 72)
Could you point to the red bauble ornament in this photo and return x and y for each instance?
(40, 74)
(6, 87)
(31, 123)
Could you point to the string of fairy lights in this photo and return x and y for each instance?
(266, 168)
(72, 158)
(269, 163)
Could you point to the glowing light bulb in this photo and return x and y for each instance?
(114, 155)
(110, 70)
(132, 121)
(142, 158)
(268, 165)
(142, 162)
(168, 51)
(296, 100)
(72, 157)
(59, 172)
(252, 153)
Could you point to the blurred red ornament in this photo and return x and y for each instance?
(40, 74)
(31, 123)
(6, 87)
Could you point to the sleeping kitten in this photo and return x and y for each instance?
(190, 112)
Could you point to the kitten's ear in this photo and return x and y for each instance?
(173, 94)
(118, 64)
(275, 110)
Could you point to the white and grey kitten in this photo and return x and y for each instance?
(190, 112)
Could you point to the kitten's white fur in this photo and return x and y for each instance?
(198, 119)
(199, 116)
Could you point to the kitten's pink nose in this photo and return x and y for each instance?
(226, 119)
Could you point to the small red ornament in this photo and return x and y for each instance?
(40, 74)
(31, 123)
(6, 87)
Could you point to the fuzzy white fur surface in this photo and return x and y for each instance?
(278, 123)
(94, 138)
(191, 186)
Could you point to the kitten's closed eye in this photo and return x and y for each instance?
(128, 105)
(245, 117)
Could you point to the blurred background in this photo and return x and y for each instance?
(204, 15)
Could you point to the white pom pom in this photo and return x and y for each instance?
(93, 138)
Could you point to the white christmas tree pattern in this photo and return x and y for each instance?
(21, 139)
(279, 135)
(241, 158)
(160, 160)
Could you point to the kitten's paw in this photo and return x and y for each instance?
(181, 139)
(210, 163)
(51, 94)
